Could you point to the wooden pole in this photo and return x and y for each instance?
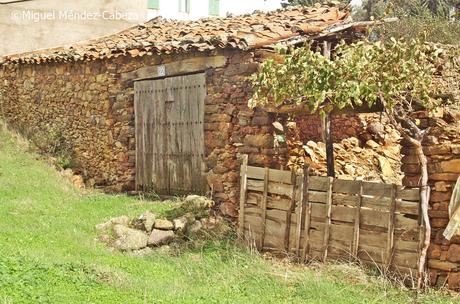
(243, 191)
(306, 250)
(264, 207)
(327, 227)
(289, 212)
(327, 134)
(329, 146)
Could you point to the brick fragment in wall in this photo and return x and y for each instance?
(434, 251)
(217, 118)
(433, 277)
(211, 109)
(439, 222)
(439, 158)
(451, 166)
(411, 168)
(232, 177)
(453, 281)
(261, 120)
(448, 177)
(456, 149)
(215, 140)
(258, 160)
(215, 182)
(441, 186)
(436, 150)
(259, 140)
(219, 169)
(442, 265)
(408, 150)
(436, 211)
(440, 196)
(410, 160)
(411, 180)
(453, 255)
(247, 150)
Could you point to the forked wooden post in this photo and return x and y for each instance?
(357, 222)
(306, 247)
(300, 210)
(243, 191)
(327, 227)
(391, 227)
(290, 210)
(264, 207)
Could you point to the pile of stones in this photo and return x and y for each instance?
(147, 231)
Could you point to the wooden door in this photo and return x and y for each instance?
(170, 134)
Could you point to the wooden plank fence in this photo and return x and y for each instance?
(323, 218)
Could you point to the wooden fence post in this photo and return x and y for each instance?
(306, 182)
(300, 209)
(264, 207)
(290, 210)
(355, 245)
(243, 191)
(391, 228)
(327, 227)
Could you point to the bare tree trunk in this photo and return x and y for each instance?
(424, 202)
(415, 136)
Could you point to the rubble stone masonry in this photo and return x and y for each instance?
(88, 104)
(91, 106)
(442, 148)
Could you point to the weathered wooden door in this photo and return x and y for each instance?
(170, 134)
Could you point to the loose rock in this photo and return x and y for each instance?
(160, 237)
(121, 220)
(78, 181)
(129, 239)
(372, 144)
(163, 224)
(145, 221)
(180, 223)
(195, 227)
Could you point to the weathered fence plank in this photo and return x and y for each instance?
(264, 206)
(324, 218)
(243, 191)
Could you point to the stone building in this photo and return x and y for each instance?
(163, 107)
(90, 93)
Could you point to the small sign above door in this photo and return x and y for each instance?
(161, 70)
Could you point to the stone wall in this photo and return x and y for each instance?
(442, 147)
(88, 104)
(91, 105)
(232, 129)
(83, 103)
(342, 126)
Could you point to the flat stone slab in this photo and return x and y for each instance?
(160, 237)
(163, 225)
(129, 239)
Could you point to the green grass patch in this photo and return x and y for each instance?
(49, 253)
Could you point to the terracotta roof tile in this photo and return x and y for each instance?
(167, 36)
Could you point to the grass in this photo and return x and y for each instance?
(48, 253)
